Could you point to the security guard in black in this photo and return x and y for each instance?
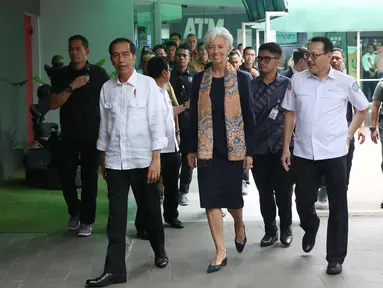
(182, 79)
(76, 91)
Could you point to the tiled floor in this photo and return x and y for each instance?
(40, 261)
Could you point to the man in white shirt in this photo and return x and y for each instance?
(317, 100)
(337, 63)
(159, 70)
(132, 134)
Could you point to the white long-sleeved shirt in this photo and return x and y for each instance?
(170, 126)
(132, 122)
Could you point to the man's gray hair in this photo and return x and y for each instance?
(337, 49)
(218, 32)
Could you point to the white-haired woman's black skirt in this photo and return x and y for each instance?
(220, 184)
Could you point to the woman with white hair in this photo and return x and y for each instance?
(221, 139)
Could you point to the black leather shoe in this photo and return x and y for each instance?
(334, 268)
(268, 240)
(106, 279)
(286, 237)
(308, 242)
(175, 223)
(161, 259)
(142, 235)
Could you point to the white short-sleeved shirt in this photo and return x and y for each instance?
(170, 127)
(321, 106)
(132, 122)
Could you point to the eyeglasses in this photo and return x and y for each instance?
(314, 56)
(265, 59)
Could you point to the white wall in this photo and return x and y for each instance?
(100, 21)
(13, 113)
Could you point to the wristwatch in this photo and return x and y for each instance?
(373, 129)
(185, 106)
(69, 88)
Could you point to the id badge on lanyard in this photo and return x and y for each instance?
(275, 111)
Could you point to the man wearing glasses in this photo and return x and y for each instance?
(337, 63)
(181, 80)
(317, 102)
(269, 176)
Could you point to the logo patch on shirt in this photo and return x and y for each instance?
(190, 79)
(355, 86)
(289, 87)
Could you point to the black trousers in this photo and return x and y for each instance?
(368, 87)
(274, 185)
(349, 157)
(148, 200)
(308, 175)
(186, 174)
(71, 154)
(170, 167)
(246, 177)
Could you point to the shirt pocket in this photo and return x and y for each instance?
(137, 103)
(137, 108)
(111, 113)
(333, 101)
(138, 117)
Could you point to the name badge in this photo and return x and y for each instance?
(274, 113)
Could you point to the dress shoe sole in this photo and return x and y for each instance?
(333, 272)
(174, 226)
(117, 281)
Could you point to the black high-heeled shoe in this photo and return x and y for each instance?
(240, 246)
(215, 268)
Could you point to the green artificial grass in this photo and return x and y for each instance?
(28, 210)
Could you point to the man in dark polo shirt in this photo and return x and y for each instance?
(181, 80)
(76, 91)
(249, 65)
(274, 184)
